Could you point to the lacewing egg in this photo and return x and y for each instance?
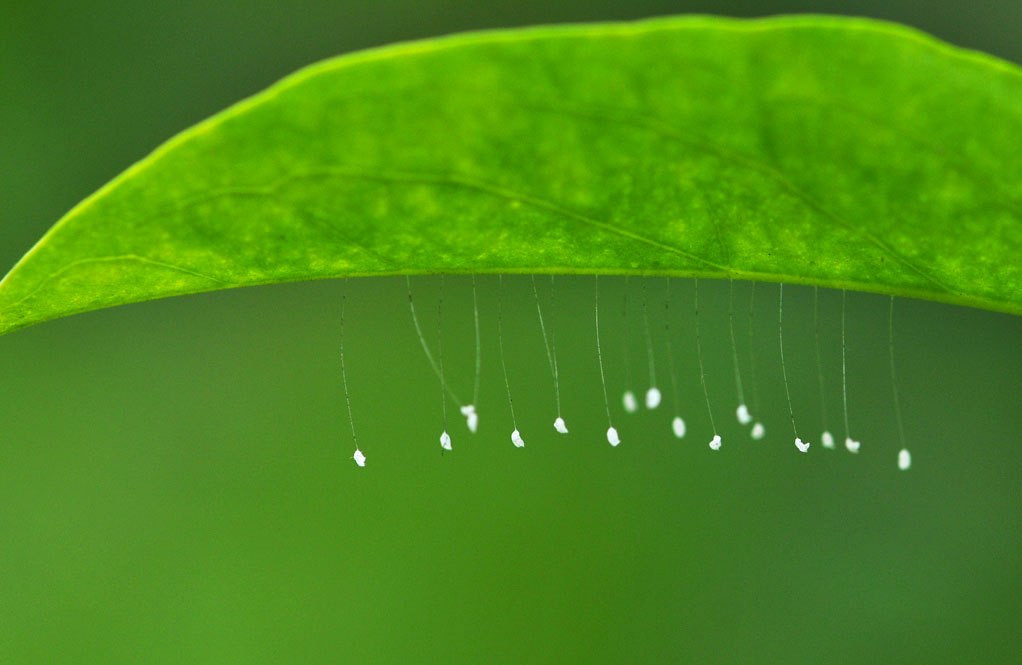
(742, 412)
(471, 417)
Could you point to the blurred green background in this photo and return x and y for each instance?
(175, 477)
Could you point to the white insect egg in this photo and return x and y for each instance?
(445, 440)
(560, 426)
(516, 438)
(904, 459)
(758, 431)
(852, 445)
(359, 458)
(742, 412)
(612, 437)
(678, 427)
(629, 401)
(827, 439)
(471, 417)
(803, 446)
(715, 442)
(653, 398)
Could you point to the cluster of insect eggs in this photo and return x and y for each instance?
(630, 403)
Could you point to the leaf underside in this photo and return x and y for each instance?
(814, 150)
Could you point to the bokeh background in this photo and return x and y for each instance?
(175, 477)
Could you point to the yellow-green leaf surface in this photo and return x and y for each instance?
(813, 150)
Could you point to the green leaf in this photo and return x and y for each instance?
(813, 150)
